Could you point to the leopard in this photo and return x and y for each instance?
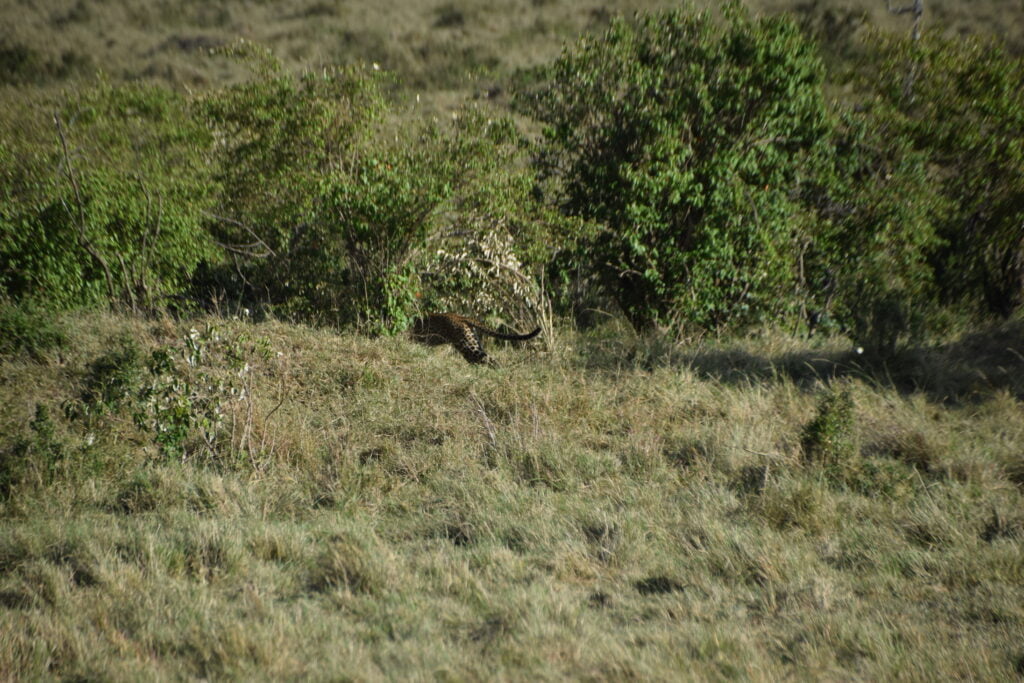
(461, 332)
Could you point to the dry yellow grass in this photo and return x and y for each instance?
(615, 507)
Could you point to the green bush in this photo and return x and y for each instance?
(189, 408)
(961, 104)
(111, 209)
(829, 440)
(685, 138)
(864, 263)
(332, 208)
(488, 248)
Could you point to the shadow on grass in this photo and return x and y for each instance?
(962, 372)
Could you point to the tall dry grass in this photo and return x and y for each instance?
(613, 507)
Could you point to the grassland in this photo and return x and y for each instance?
(265, 501)
(436, 47)
(600, 507)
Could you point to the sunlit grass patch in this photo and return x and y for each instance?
(396, 510)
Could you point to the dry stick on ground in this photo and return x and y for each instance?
(917, 8)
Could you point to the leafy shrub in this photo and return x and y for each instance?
(329, 203)
(112, 378)
(488, 249)
(186, 406)
(193, 399)
(865, 262)
(114, 212)
(960, 103)
(684, 136)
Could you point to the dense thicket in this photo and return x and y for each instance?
(691, 171)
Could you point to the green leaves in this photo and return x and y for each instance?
(960, 104)
(116, 213)
(677, 131)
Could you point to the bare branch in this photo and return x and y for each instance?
(245, 249)
(249, 250)
(917, 8)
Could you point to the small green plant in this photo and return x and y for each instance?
(112, 381)
(114, 377)
(35, 457)
(829, 440)
(186, 399)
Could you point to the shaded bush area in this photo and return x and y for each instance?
(691, 173)
(960, 104)
(29, 327)
(728, 193)
(23, 65)
(302, 194)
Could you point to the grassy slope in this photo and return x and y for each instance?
(609, 508)
(432, 45)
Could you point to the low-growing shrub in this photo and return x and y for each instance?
(186, 403)
(358, 203)
(194, 400)
(829, 440)
(112, 379)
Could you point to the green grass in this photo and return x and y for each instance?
(608, 507)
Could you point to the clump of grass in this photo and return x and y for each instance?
(353, 561)
(911, 447)
(30, 329)
(797, 503)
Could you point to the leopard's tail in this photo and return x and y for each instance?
(500, 335)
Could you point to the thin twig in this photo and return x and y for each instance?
(243, 226)
(492, 433)
(764, 455)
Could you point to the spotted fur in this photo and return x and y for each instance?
(461, 332)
